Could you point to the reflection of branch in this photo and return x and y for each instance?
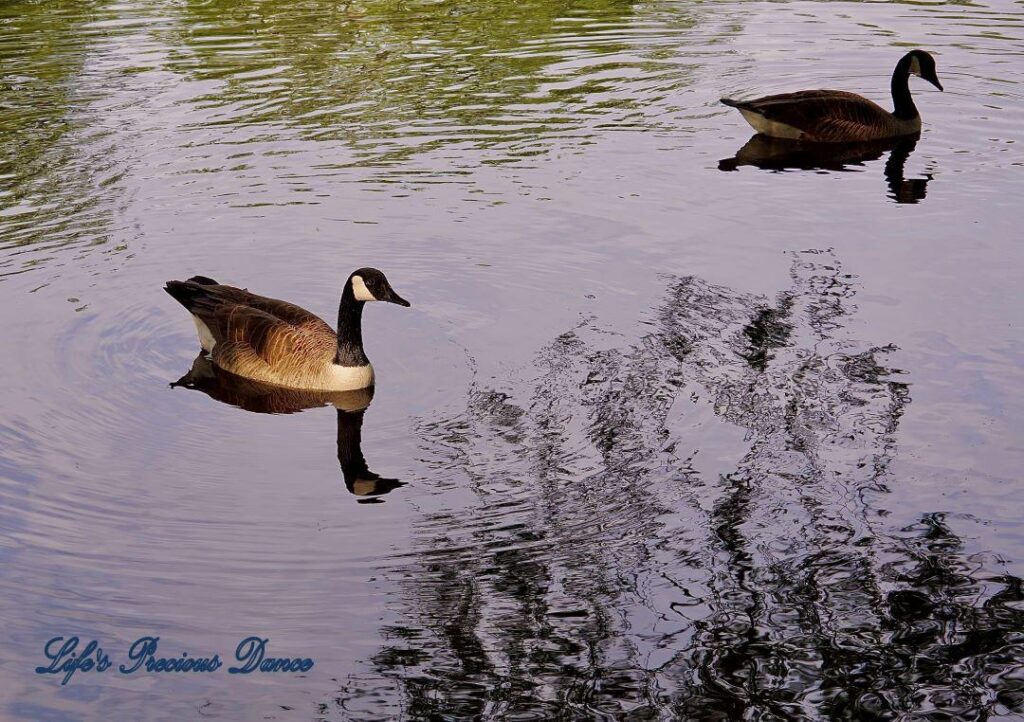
(596, 571)
(61, 171)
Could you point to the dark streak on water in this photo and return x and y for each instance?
(785, 595)
(654, 442)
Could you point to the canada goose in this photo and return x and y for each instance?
(265, 399)
(278, 343)
(835, 116)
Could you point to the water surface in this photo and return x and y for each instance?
(660, 437)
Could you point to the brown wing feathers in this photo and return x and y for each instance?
(824, 114)
(827, 116)
(257, 337)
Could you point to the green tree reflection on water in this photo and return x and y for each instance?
(42, 52)
(384, 82)
(393, 78)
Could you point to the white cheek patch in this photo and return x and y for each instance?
(359, 289)
(915, 66)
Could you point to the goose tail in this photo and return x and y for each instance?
(730, 102)
(203, 281)
(189, 292)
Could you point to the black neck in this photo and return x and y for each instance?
(350, 331)
(904, 107)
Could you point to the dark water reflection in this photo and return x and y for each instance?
(264, 399)
(604, 575)
(778, 155)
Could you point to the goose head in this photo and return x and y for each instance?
(369, 284)
(922, 64)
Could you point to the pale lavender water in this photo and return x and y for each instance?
(676, 442)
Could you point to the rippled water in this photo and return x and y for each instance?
(679, 425)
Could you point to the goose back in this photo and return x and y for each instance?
(824, 116)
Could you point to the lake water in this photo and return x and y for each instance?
(661, 440)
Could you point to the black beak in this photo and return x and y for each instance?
(393, 297)
(934, 81)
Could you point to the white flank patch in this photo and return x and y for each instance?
(205, 337)
(362, 293)
(348, 378)
(770, 127)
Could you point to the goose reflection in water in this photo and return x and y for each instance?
(779, 154)
(265, 399)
